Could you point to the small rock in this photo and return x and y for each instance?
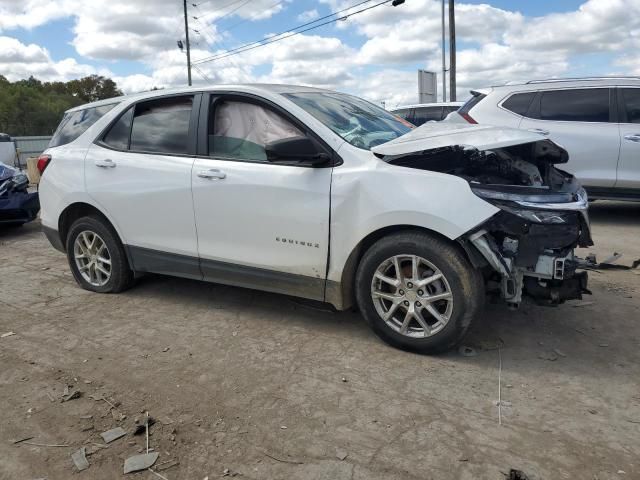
(234, 334)
(8, 334)
(592, 411)
(165, 349)
(466, 351)
(341, 454)
(283, 427)
(71, 396)
(559, 352)
(344, 379)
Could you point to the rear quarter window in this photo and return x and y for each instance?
(519, 103)
(75, 123)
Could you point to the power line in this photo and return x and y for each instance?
(282, 35)
(230, 12)
(252, 17)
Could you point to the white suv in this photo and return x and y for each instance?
(596, 119)
(314, 194)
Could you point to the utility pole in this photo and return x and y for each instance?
(452, 51)
(444, 61)
(186, 32)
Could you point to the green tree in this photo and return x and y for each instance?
(32, 107)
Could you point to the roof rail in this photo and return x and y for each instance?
(578, 79)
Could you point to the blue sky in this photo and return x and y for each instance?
(375, 54)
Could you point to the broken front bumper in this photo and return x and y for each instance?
(535, 259)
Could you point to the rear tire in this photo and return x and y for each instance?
(418, 292)
(97, 257)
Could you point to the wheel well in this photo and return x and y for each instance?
(351, 266)
(74, 212)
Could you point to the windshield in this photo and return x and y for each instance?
(357, 121)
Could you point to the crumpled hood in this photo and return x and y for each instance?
(438, 135)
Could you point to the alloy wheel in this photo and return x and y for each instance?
(412, 296)
(92, 258)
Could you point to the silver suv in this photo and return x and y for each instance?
(597, 120)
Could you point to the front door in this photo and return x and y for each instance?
(629, 164)
(139, 173)
(259, 224)
(580, 120)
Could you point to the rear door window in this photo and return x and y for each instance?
(426, 114)
(74, 124)
(631, 99)
(162, 125)
(575, 105)
(519, 103)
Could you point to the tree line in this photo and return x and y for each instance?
(33, 107)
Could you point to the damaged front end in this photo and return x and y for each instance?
(527, 248)
(17, 204)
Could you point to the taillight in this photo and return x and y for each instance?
(43, 161)
(467, 117)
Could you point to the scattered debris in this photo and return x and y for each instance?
(559, 352)
(113, 434)
(161, 467)
(283, 427)
(165, 349)
(551, 356)
(592, 411)
(51, 398)
(20, 440)
(517, 475)
(140, 462)
(71, 396)
(142, 427)
(466, 351)
(80, 459)
(44, 444)
(341, 454)
(117, 415)
(283, 460)
(582, 304)
(8, 334)
(344, 379)
(157, 474)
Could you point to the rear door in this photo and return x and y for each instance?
(139, 172)
(629, 164)
(582, 121)
(260, 224)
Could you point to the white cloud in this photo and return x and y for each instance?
(308, 15)
(19, 60)
(379, 61)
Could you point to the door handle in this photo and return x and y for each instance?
(541, 131)
(212, 173)
(635, 137)
(105, 163)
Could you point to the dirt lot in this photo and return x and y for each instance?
(260, 386)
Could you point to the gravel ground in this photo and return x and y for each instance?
(261, 386)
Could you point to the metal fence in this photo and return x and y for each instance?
(29, 147)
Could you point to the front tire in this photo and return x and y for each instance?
(96, 256)
(418, 292)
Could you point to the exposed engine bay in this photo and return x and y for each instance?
(527, 248)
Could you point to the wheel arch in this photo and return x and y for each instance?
(342, 295)
(77, 210)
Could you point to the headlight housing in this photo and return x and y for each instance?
(548, 208)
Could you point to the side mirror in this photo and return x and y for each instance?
(295, 150)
